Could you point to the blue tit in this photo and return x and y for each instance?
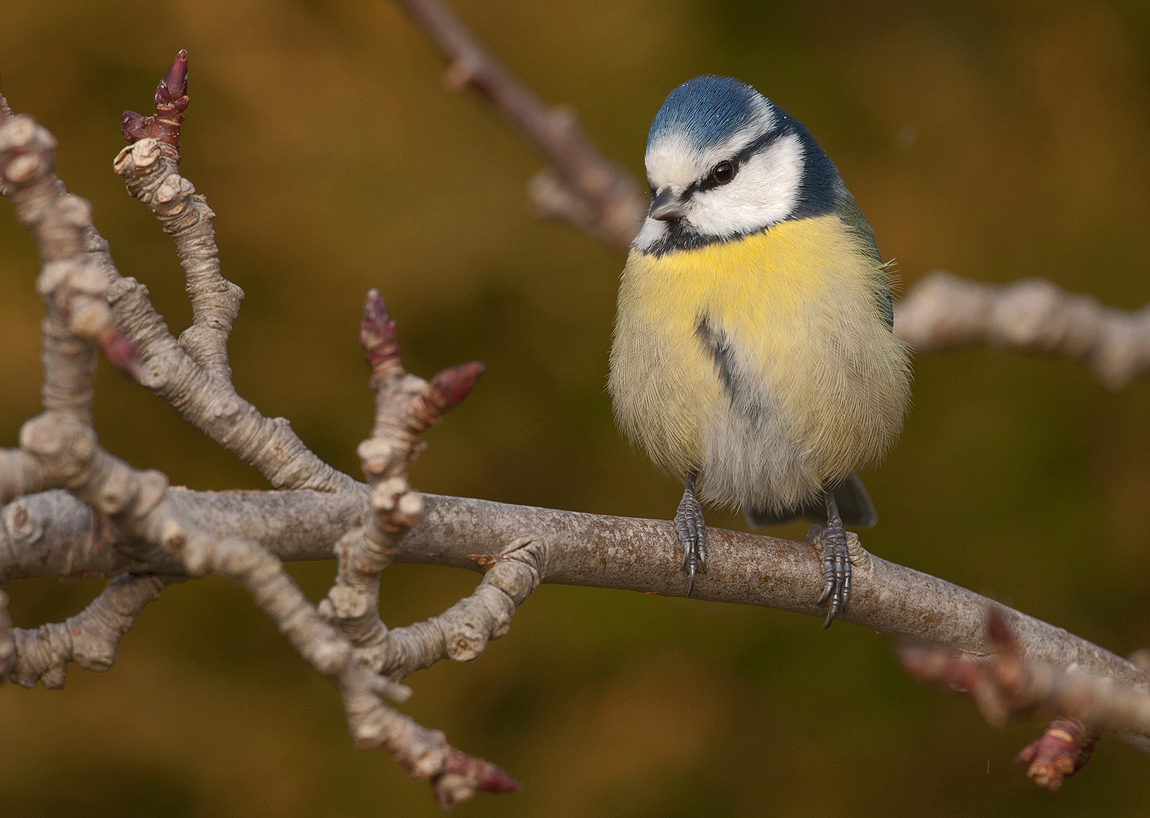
(754, 355)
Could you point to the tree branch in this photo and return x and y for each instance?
(582, 186)
(187, 218)
(423, 753)
(573, 548)
(405, 407)
(1006, 685)
(89, 639)
(943, 312)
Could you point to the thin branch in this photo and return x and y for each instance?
(944, 312)
(424, 754)
(405, 407)
(186, 217)
(89, 639)
(209, 404)
(461, 633)
(63, 445)
(582, 186)
(1008, 685)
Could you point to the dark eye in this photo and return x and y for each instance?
(723, 172)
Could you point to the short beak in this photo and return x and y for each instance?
(668, 205)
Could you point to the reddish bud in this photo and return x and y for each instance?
(133, 126)
(173, 88)
(377, 336)
(451, 386)
(171, 101)
(1058, 754)
(463, 775)
(122, 354)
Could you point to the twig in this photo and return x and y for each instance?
(208, 403)
(583, 186)
(944, 312)
(1008, 684)
(186, 217)
(424, 754)
(89, 639)
(461, 633)
(405, 407)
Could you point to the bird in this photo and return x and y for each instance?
(753, 353)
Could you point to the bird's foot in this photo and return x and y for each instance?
(836, 568)
(692, 536)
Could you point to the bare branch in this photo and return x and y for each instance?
(569, 548)
(462, 631)
(1007, 684)
(423, 753)
(944, 312)
(405, 407)
(583, 185)
(186, 217)
(208, 403)
(89, 639)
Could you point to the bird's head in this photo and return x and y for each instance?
(723, 161)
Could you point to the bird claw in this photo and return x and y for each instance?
(836, 571)
(692, 537)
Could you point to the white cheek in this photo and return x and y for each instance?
(764, 192)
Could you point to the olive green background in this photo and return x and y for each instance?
(996, 140)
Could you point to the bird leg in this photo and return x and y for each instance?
(692, 532)
(836, 561)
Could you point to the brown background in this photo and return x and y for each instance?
(996, 140)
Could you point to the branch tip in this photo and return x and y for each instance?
(464, 775)
(173, 88)
(171, 101)
(1057, 754)
(377, 336)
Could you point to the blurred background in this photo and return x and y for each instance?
(998, 140)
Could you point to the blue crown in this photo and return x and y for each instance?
(707, 109)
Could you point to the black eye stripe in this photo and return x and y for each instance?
(740, 158)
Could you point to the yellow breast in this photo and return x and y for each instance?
(763, 362)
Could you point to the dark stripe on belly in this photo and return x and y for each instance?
(718, 346)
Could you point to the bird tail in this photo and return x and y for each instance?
(853, 502)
